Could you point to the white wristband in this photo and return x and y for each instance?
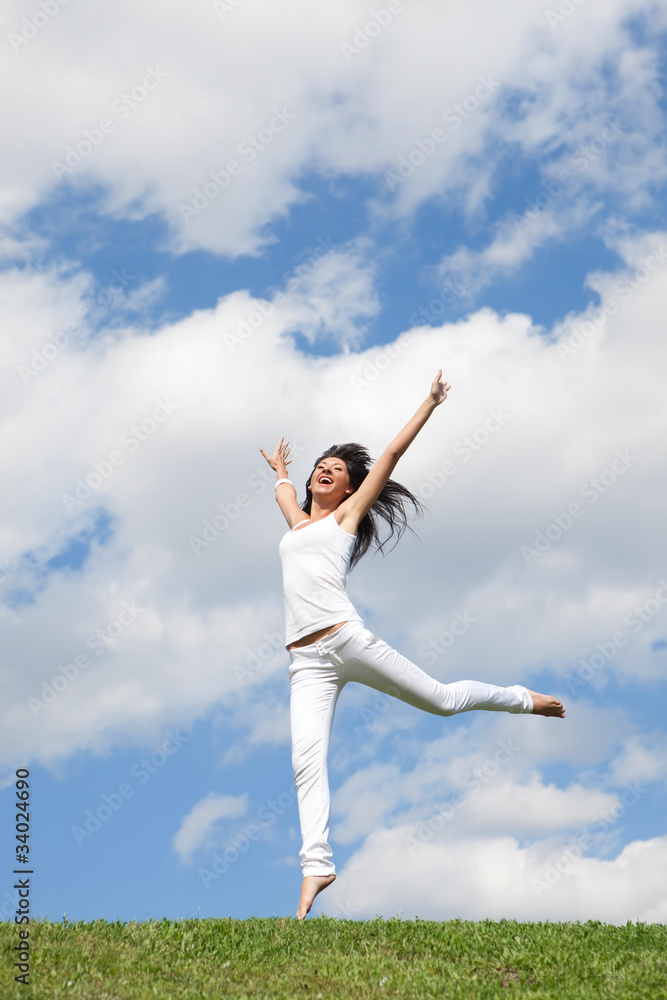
(285, 481)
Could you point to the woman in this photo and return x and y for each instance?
(326, 638)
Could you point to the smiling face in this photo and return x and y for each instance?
(330, 482)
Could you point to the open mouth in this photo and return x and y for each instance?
(325, 481)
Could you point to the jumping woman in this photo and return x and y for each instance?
(326, 638)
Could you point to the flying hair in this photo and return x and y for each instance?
(389, 506)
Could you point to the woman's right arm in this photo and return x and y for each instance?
(286, 492)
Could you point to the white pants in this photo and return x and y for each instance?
(318, 672)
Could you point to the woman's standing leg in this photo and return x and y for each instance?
(314, 689)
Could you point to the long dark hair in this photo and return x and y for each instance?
(390, 505)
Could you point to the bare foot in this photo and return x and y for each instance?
(310, 887)
(544, 704)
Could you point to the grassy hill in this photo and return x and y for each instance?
(328, 958)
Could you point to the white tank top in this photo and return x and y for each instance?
(315, 562)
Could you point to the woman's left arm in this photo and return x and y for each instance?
(363, 499)
(404, 438)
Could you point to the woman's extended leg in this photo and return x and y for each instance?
(369, 660)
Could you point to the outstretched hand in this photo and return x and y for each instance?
(279, 458)
(439, 389)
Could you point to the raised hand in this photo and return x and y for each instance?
(439, 389)
(279, 458)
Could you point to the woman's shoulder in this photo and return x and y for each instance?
(344, 519)
(299, 524)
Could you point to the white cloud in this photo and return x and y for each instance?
(266, 721)
(204, 616)
(494, 878)
(196, 827)
(643, 758)
(517, 238)
(336, 297)
(204, 613)
(215, 83)
(484, 778)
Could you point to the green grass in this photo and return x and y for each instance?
(286, 958)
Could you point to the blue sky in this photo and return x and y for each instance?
(540, 294)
